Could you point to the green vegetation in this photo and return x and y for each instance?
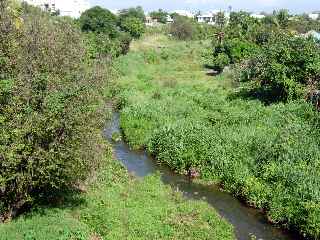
(184, 28)
(268, 155)
(58, 178)
(99, 20)
(279, 64)
(50, 106)
(118, 206)
(160, 16)
(286, 68)
(133, 26)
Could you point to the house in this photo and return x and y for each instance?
(314, 15)
(72, 8)
(151, 22)
(257, 16)
(169, 19)
(211, 17)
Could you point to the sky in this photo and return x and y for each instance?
(295, 6)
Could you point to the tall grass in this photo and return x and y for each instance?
(268, 155)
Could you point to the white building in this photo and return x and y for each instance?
(72, 8)
(257, 16)
(169, 19)
(211, 17)
(314, 16)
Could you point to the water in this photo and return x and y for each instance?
(247, 221)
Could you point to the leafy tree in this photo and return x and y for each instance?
(136, 12)
(99, 20)
(134, 26)
(221, 19)
(160, 16)
(282, 17)
(48, 107)
(183, 28)
(286, 66)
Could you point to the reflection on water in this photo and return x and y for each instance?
(247, 221)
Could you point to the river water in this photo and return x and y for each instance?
(248, 223)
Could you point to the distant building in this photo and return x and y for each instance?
(314, 16)
(72, 8)
(151, 22)
(211, 17)
(257, 16)
(169, 19)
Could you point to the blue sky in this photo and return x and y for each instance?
(251, 5)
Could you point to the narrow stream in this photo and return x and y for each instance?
(247, 222)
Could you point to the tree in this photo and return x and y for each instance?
(182, 28)
(136, 12)
(99, 20)
(282, 17)
(160, 16)
(134, 26)
(220, 19)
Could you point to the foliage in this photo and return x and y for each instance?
(220, 19)
(266, 154)
(160, 16)
(136, 12)
(134, 26)
(102, 46)
(99, 20)
(282, 17)
(49, 109)
(104, 39)
(286, 65)
(182, 28)
(117, 206)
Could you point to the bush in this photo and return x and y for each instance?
(49, 107)
(99, 20)
(183, 28)
(134, 26)
(286, 66)
(102, 46)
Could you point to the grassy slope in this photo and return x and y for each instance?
(268, 154)
(118, 206)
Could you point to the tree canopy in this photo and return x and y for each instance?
(99, 20)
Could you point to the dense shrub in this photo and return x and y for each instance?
(99, 20)
(49, 106)
(229, 51)
(134, 26)
(183, 28)
(285, 66)
(136, 12)
(273, 165)
(101, 45)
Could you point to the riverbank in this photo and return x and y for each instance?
(267, 155)
(120, 206)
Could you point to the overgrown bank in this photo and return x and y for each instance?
(119, 206)
(268, 155)
(58, 179)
